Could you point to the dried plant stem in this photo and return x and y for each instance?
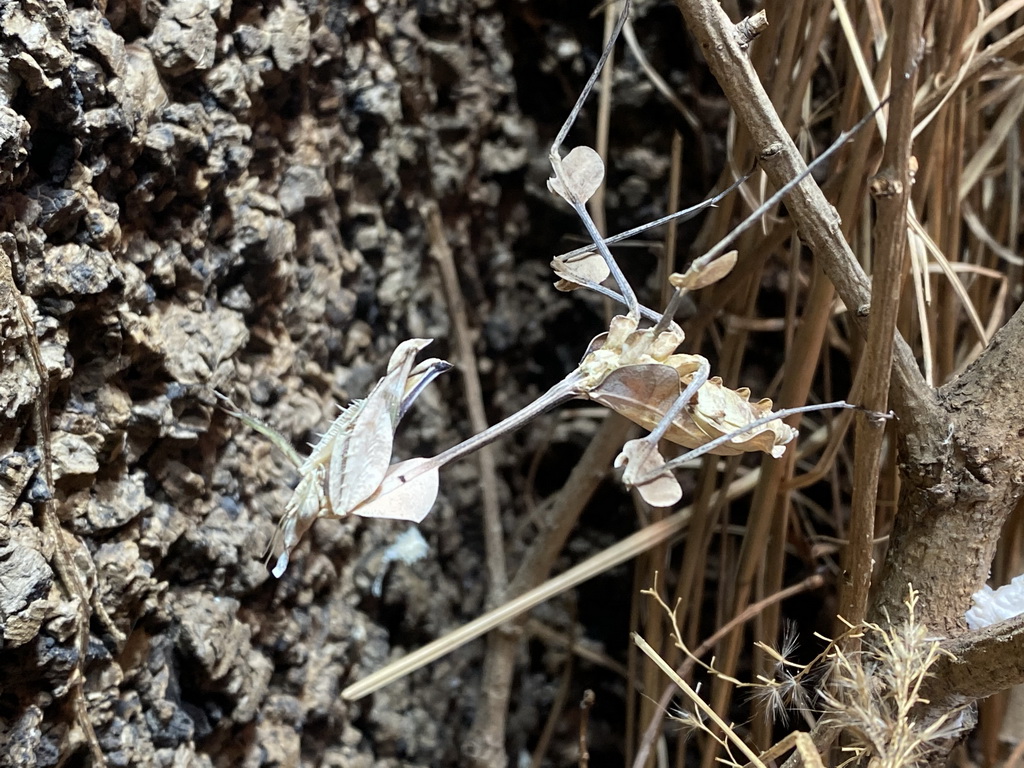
(585, 706)
(891, 188)
(770, 505)
(555, 714)
(751, 611)
(494, 540)
(697, 701)
(67, 571)
(726, 53)
(557, 517)
(492, 728)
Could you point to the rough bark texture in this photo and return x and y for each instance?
(962, 479)
(200, 196)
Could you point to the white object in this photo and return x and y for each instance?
(407, 548)
(994, 605)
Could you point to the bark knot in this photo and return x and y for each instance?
(885, 186)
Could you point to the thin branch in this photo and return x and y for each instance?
(727, 57)
(981, 663)
(683, 670)
(494, 540)
(891, 190)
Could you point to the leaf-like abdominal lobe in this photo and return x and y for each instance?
(702, 275)
(577, 272)
(640, 458)
(637, 374)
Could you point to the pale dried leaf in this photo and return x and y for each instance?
(700, 276)
(401, 499)
(575, 273)
(640, 459)
(582, 174)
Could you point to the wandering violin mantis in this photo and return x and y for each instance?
(634, 368)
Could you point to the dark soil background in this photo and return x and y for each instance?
(200, 196)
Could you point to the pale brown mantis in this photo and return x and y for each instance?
(632, 369)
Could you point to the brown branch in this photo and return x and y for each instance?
(891, 190)
(494, 539)
(585, 705)
(724, 47)
(981, 663)
(957, 495)
(962, 450)
(486, 743)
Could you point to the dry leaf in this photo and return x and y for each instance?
(641, 459)
(575, 273)
(700, 276)
(582, 174)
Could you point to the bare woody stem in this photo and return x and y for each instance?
(719, 248)
(891, 190)
(725, 48)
